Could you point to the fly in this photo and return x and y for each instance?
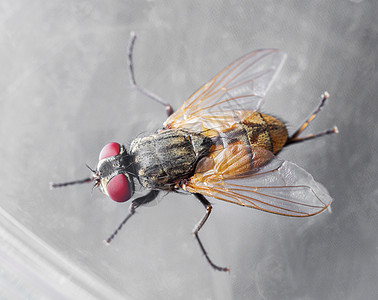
(218, 145)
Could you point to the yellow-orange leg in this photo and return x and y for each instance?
(295, 137)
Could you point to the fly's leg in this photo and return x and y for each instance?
(94, 178)
(208, 207)
(133, 206)
(168, 107)
(295, 137)
(54, 185)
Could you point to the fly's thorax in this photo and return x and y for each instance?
(162, 159)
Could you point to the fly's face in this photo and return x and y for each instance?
(112, 175)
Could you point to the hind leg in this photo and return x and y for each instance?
(295, 138)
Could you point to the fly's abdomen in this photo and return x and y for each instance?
(161, 159)
(257, 130)
(277, 132)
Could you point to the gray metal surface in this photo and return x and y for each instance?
(64, 93)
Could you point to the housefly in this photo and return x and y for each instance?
(219, 145)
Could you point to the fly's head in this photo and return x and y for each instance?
(112, 174)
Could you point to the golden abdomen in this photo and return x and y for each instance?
(257, 130)
(276, 131)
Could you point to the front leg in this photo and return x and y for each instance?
(133, 206)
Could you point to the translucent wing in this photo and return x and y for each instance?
(276, 186)
(239, 87)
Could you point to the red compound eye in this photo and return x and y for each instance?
(119, 188)
(109, 150)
